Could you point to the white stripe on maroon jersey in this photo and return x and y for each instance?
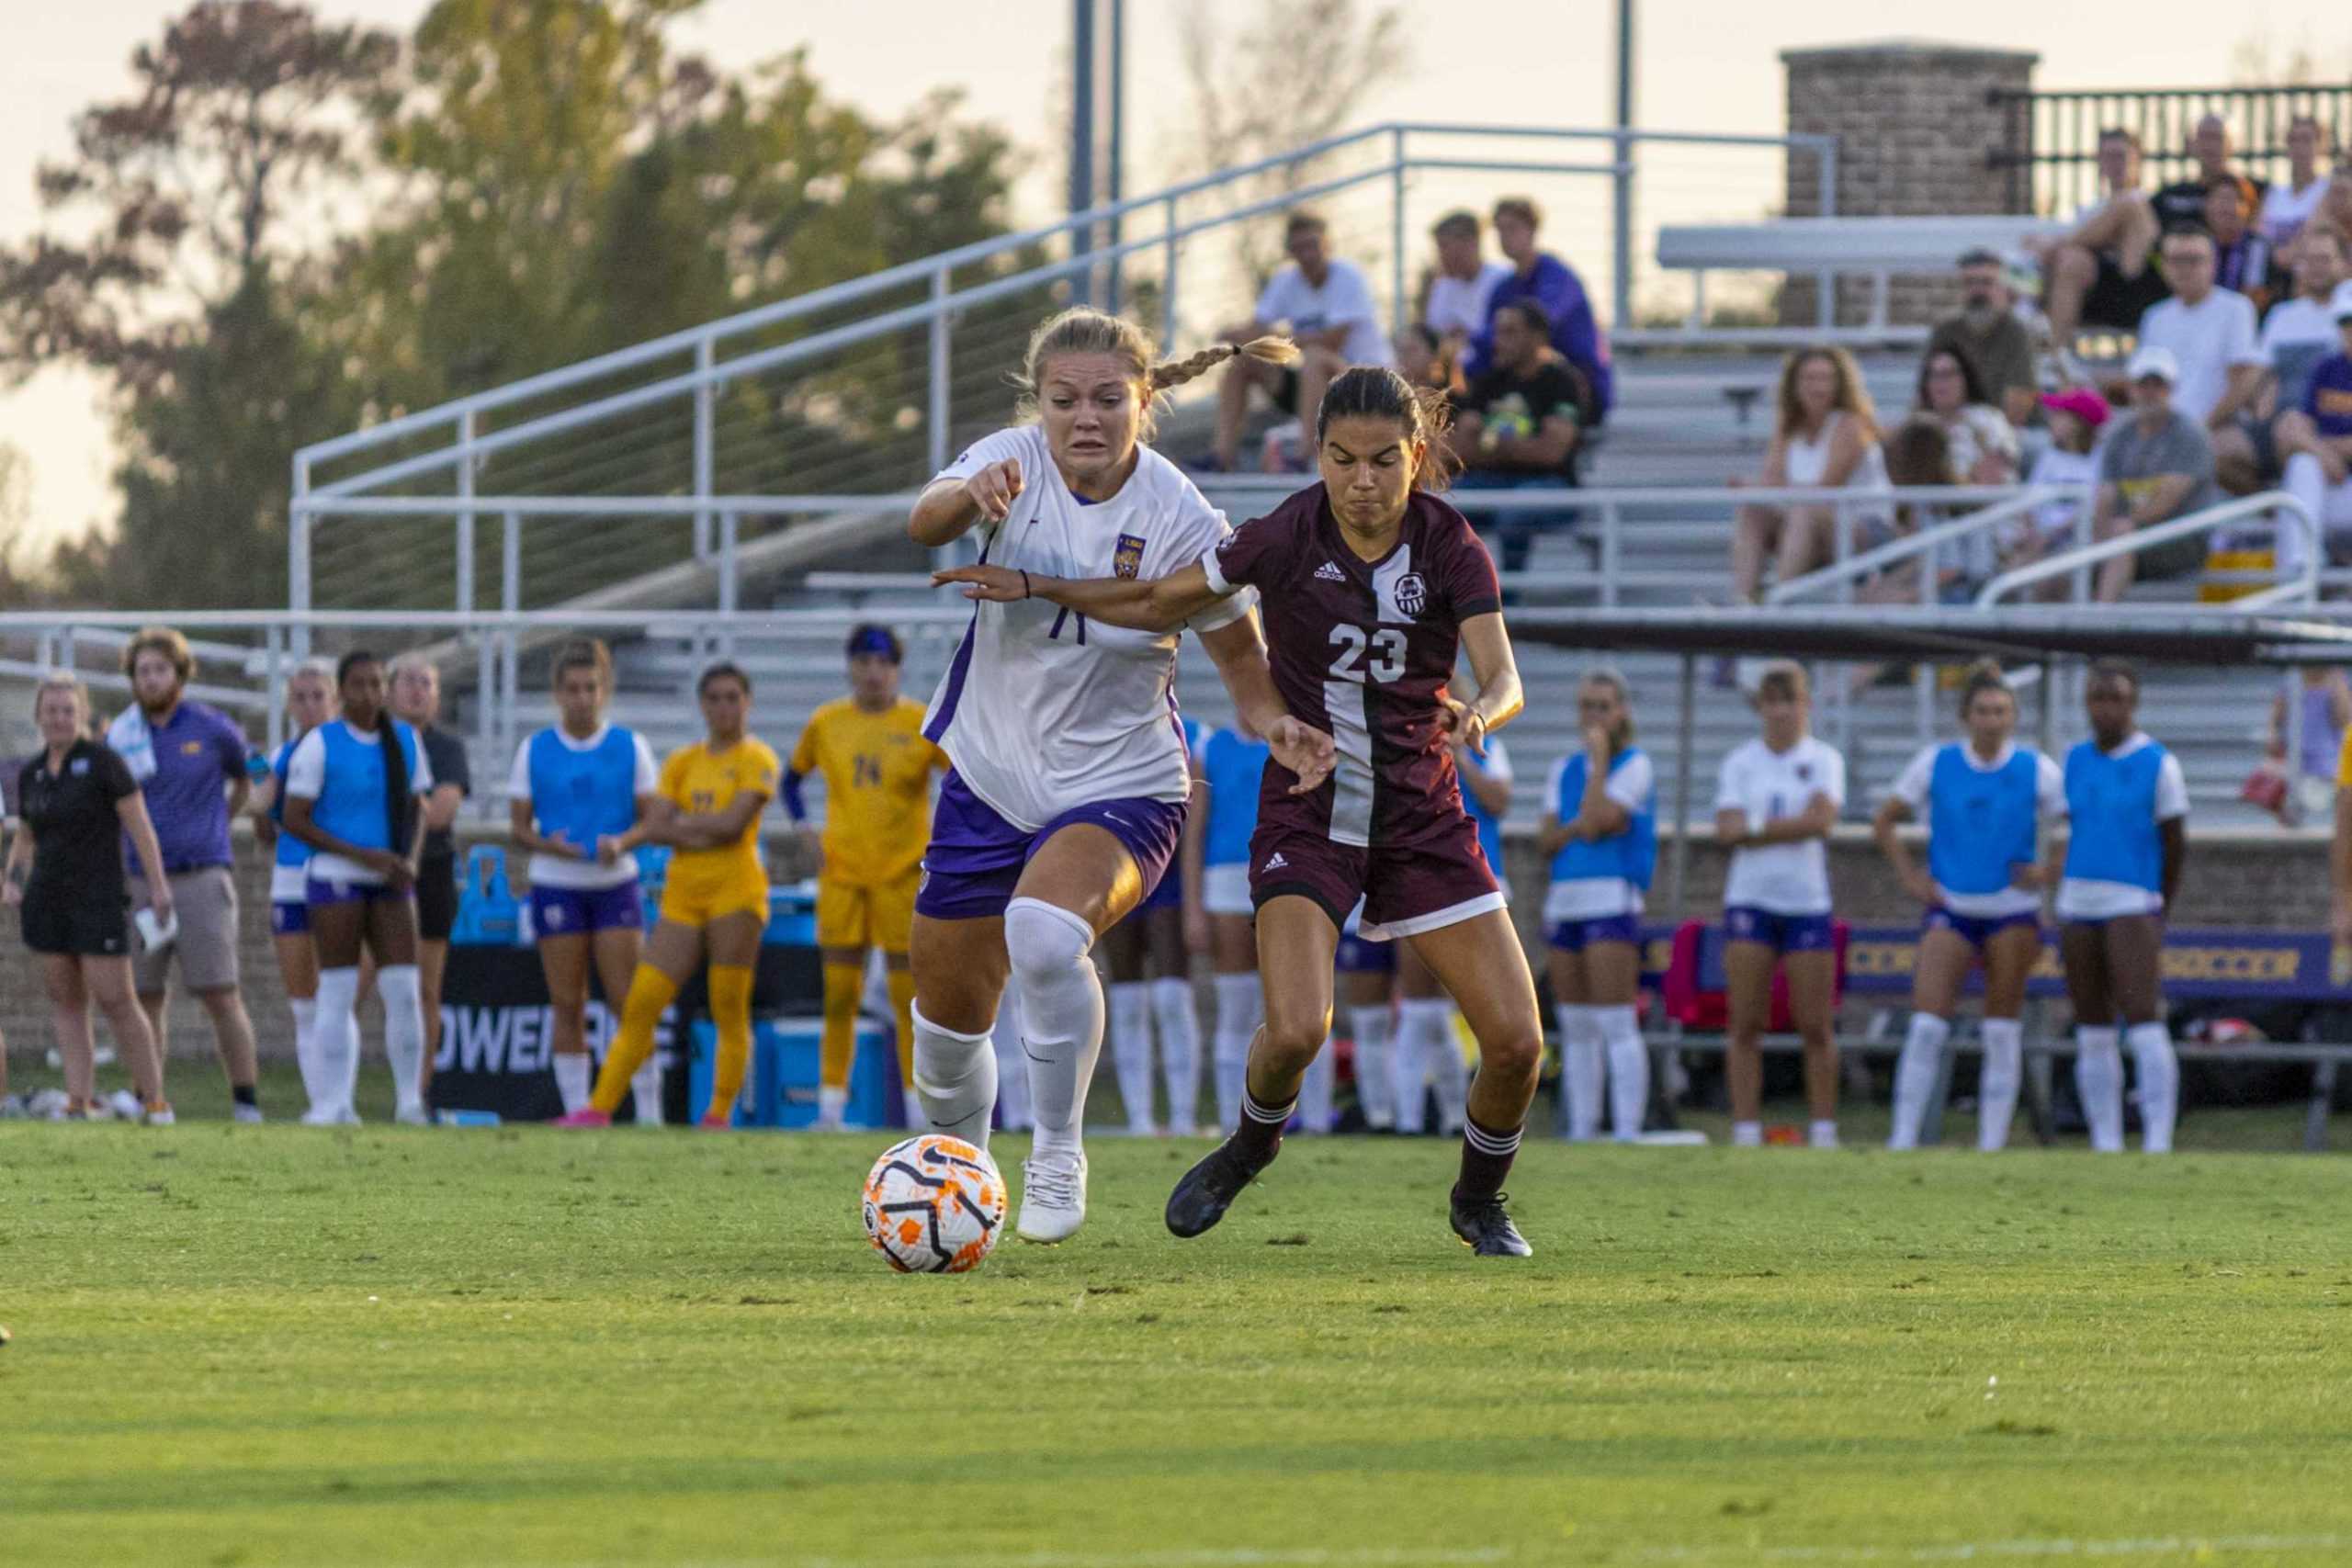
(1345, 703)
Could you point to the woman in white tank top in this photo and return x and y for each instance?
(1825, 435)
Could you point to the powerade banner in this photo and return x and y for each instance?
(2217, 965)
(497, 1031)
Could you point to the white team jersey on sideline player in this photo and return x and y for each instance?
(1762, 783)
(1042, 710)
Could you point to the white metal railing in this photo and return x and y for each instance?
(2300, 588)
(456, 446)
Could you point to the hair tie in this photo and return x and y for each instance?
(1024, 581)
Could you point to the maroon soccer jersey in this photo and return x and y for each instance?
(1364, 649)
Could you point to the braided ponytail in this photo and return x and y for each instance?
(1176, 372)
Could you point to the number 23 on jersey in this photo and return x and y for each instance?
(1387, 648)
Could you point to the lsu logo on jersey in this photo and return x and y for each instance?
(1127, 560)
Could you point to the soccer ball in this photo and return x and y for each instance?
(934, 1205)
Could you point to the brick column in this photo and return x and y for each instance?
(1914, 124)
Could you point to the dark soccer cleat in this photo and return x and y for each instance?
(1484, 1227)
(1208, 1189)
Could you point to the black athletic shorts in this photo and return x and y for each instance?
(2116, 301)
(436, 897)
(92, 923)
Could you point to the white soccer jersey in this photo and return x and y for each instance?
(1042, 710)
(1763, 784)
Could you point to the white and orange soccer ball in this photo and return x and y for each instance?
(934, 1205)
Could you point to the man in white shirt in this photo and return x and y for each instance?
(1454, 296)
(1327, 306)
(2299, 332)
(2209, 332)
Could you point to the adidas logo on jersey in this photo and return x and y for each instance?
(1276, 863)
(1328, 572)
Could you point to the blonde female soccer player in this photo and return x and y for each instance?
(310, 703)
(715, 904)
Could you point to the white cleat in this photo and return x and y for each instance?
(319, 1116)
(160, 1116)
(413, 1115)
(125, 1105)
(246, 1113)
(1053, 1197)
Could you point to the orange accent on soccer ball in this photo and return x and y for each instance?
(909, 1232)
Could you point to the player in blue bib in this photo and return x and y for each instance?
(310, 701)
(2128, 804)
(576, 787)
(1983, 799)
(353, 792)
(1601, 830)
(1228, 770)
(1150, 942)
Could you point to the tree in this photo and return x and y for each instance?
(187, 196)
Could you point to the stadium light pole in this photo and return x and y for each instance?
(1622, 285)
(1082, 134)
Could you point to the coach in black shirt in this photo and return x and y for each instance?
(416, 699)
(77, 800)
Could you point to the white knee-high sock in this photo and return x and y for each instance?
(306, 1043)
(1314, 1092)
(1179, 1023)
(2157, 1070)
(1011, 1067)
(646, 1085)
(1061, 1016)
(1915, 1076)
(1374, 1030)
(574, 1078)
(401, 989)
(1131, 1051)
(956, 1079)
(2098, 1084)
(1997, 1081)
(336, 1033)
(1629, 1070)
(1240, 1004)
(1440, 1056)
(1580, 1068)
(1408, 1075)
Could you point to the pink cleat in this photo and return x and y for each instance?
(586, 1116)
(718, 1121)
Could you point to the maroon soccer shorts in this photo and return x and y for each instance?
(1407, 888)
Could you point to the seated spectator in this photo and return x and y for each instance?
(2075, 417)
(1544, 277)
(1983, 443)
(2209, 332)
(1989, 337)
(2335, 207)
(1517, 427)
(2291, 203)
(2183, 201)
(2156, 465)
(2103, 272)
(1455, 294)
(1825, 435)
(1327, 306)
(2317, 441)
(2241, 256)
(2297, 334)
(1421, 358)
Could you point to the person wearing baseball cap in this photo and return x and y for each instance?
(2075, 417)
(877, 768)
(2318, 437)
(2156, 465)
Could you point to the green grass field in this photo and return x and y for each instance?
(277, 1345)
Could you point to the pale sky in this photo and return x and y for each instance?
(1705, 66)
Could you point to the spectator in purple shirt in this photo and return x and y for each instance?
(189, 760)
(1553, 284)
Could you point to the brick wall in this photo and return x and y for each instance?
(2253, 879)
(1913, 126)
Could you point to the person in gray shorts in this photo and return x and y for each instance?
(189, 760)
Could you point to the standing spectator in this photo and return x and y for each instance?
(1988, 336)
(2209, 332)
(1825, 435)
(2156, 466)
(2290, 205)
(1327, 305)
(2103, 272)
(1982, 443)
(2183, 201)
(1518, 427)
(1553, 284)
(189, 761)
(416, 700)
(2241, 259)
(79, 803)
(2317, 438)
(1455, 295)
(2075, 417)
